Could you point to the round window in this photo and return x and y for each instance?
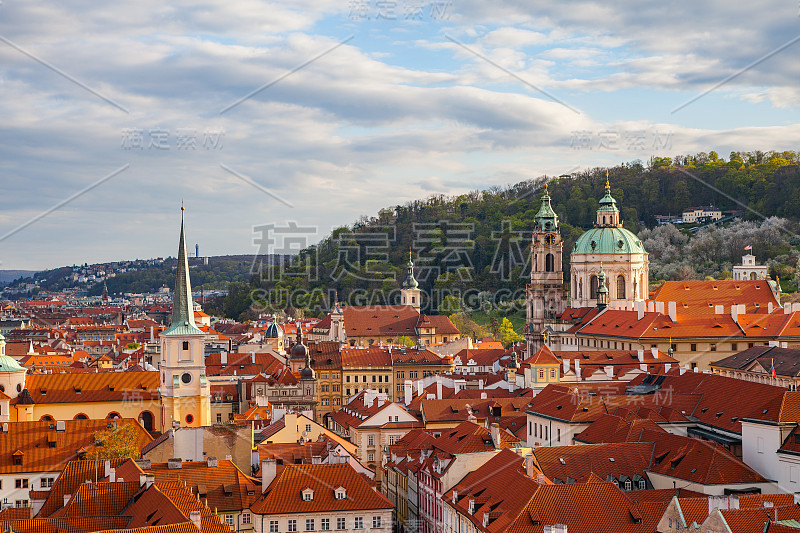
(594, 245)
(2, 388)
(186, 377)
(189, 419)
(19, 387)
(620, 243)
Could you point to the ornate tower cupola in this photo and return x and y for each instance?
(608, 213)
(410, 293)
(184, 388)
(546, 219)
(546, 297)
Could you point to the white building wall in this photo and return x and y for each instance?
(261, 522)
(760, 442)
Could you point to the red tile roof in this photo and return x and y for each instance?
(93, 387)
(284, 495)
(699, 297)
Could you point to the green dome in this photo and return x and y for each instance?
(9, 364)
(608, 240)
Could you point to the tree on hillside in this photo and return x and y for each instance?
(116, 443)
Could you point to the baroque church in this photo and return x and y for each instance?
(607, 263)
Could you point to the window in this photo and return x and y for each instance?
(376, 522)
(17, 460)
(341, 524)
(229, 519)
(733, 346)
(642, 484)
(337, 401)
(674, 347)
(47, 482)
(337, 388)
(370, 457)
(628, 485)
(185, 345)
(558, 434)
(308, 495)
(348, 392)
(230, 416)
(273, 526)
(713, 347)
(371, 440)
(620, 287)
(541, 373)
(292, 527)
(323, 375)
(219, 418)
(593, 285)
(341, 494)
(245, 518)
(325, 524)
(21, 503)
(308, 428)
(21, 483)
(400, 375)
(552, 373)
(693, 347)
(392, 439)
(358, 522)
(310, 524)
(324, 401)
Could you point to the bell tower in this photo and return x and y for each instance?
(184, 388)
(410, 293)
(546, 298)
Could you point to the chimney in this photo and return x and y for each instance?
(609, 371)
(438, 387)
(734, 312)
(654, 352)
(67, 498)
(484, 396)
(787, 309)
(495, 432)
(529, 466)
(640, 310)
(5, 427)
(640, 355)
(650, 306)
(578, 368)
(61, 425)
(673, 311)
(681, 370)
(420, 388)
(407, 390)
(559, 528)
(566, 365)
(660, 307)
(176, 463)
(643, 367)
(269, 469)
(212, 462)
(769, 307)
(223, 357)
(252, 358)
(719, 309)
(195, 517)
(773, 344)
(667, 366)
(455, 496)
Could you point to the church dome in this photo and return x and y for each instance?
(9, 364)
(307, 373)
(298, 351)
(608, 240)
(273, 331)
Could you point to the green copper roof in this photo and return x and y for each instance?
(182, 310)
(410, 282)
(608, 240)
(9, 364)
(546, 218)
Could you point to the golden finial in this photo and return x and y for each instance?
(608, 186)
(181, 205)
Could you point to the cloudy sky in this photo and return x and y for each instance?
(318, 112)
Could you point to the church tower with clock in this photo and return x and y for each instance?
(184, 388)
(546, 295)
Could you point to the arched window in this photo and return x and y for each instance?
(620, 287)
(574, 286)
(46, 418)
(604, 220)
(549, 263)
(146, 419)
(81, 416)
(112, 416)
(752, 275)
(593, 285)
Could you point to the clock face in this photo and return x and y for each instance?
(549, 239)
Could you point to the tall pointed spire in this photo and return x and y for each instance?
(182, 322)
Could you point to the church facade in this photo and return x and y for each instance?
(607, 263)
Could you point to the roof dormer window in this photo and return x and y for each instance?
(340, 493)
(308, 494)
